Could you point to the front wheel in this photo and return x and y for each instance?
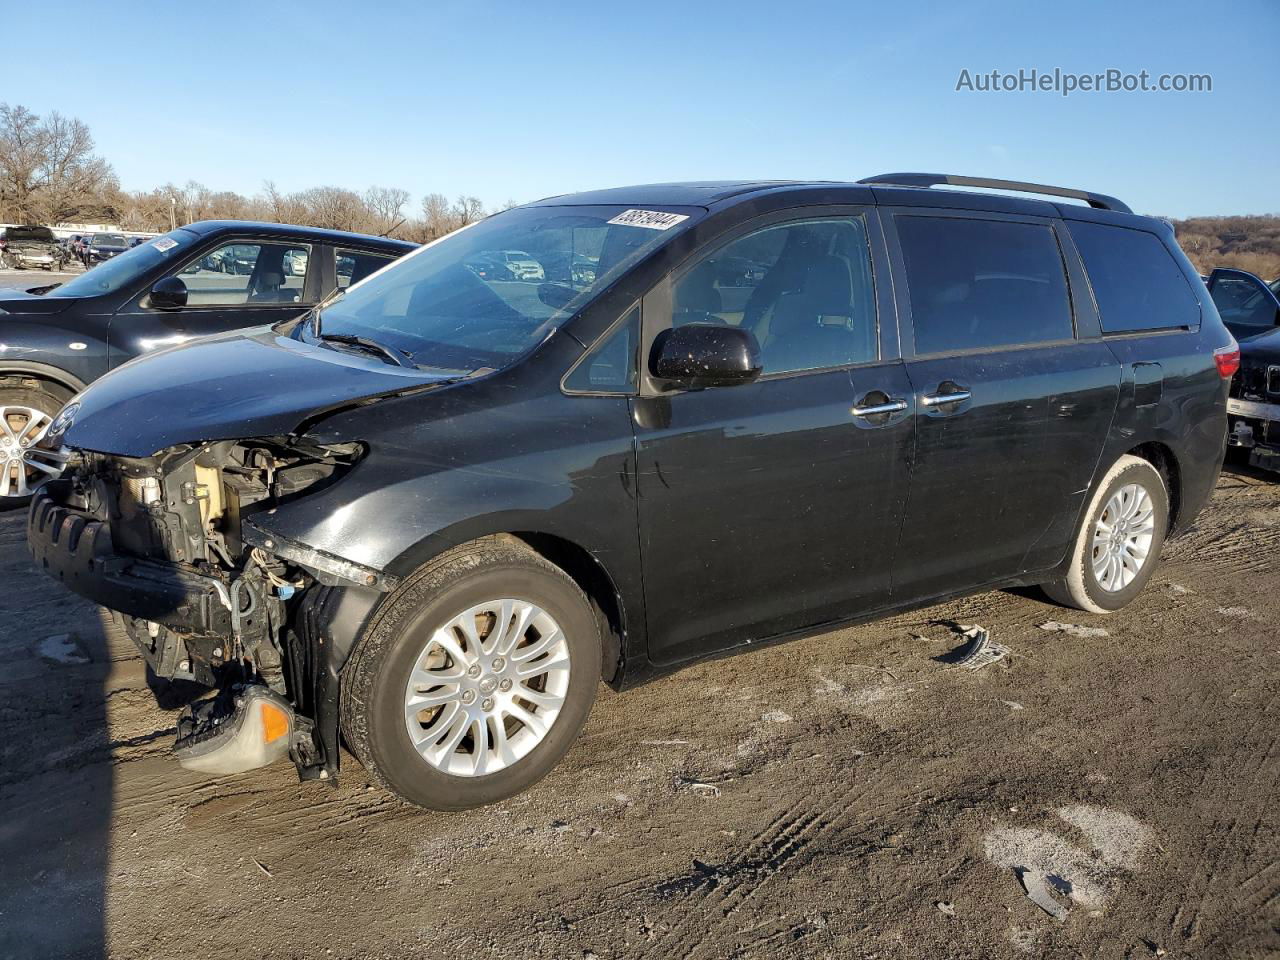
(1119, 541)
(474, 678)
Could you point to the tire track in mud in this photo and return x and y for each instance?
(1200, 881)
(711, 896)
(1262, 886)
(1239, 529)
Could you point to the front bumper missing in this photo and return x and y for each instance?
(329, 569)
(77, 549)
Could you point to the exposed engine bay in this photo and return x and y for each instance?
(165, 542)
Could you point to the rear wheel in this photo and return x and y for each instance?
(27, 457)
(474, 678)
(1119, 541)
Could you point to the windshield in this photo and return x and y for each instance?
(463, 305)
(113, 274)
(108, 240)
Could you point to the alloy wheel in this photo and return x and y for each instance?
(1122, 537)
(487, 687)
(27, 459)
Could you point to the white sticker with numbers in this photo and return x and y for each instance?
(649, 219)
(164, 244)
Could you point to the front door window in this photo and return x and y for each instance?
(241, 273)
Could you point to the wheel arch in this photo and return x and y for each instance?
(1162, 457)
(35, 370)
(585, 568)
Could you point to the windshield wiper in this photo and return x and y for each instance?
(395, 356)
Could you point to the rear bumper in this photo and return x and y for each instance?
(76, 549)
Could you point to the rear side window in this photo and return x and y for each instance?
(1136, 282)
(978, 284)
(353, 266)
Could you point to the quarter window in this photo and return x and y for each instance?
(978, 284)
(804, 289)
(610, 367)
(247, 273)
(1136, 282)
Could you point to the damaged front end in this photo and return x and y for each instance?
(170, 545)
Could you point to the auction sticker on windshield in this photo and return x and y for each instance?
(164, 244)
(651, 219)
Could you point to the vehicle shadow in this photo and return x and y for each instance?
(1237, 467)
(56, 778)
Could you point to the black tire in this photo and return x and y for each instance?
(1080, 587)
(45, 397)
(374, 680)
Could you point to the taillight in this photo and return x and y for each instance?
(1228, 360)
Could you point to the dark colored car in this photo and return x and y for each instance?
(58, 338)
(1251, 310)
(104, 246)
(29, 247)
(430, 516)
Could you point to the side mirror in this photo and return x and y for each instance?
(704, 355)
(169, 293)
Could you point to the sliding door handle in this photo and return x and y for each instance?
(879, 409)
(943, 399)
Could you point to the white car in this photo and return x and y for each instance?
(295, 263)
(521, 265)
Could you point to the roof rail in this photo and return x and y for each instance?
(1098, 200)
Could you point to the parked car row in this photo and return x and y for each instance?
(425, 515)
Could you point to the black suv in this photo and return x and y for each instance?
(432, 514)
(59, 337)
(1251, 310)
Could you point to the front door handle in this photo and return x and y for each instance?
(943, 399)
(891, 405)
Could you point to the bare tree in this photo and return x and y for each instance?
(21, 154)
(436, 219)
(386, 208)
(334, 208)
(48, 170)
(280, 207)
(467, 210)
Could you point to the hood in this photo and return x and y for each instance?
(253, 384)
(23, 301)
(1264, 348)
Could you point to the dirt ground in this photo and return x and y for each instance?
(846, 795)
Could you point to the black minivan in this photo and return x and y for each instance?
(430, 515)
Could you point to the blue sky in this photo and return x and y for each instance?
(512, 101)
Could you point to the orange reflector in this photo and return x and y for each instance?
(275, 723)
